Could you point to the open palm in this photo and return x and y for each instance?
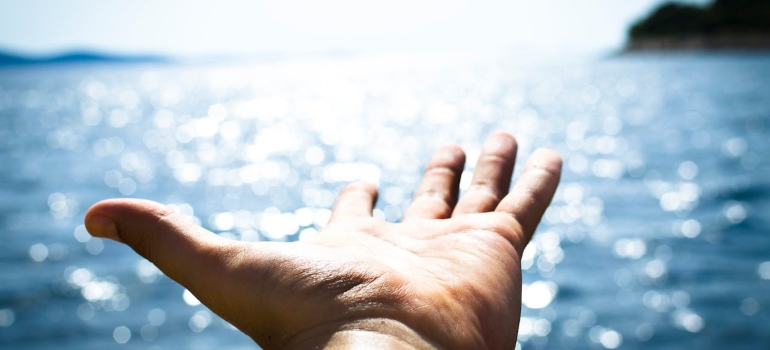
(447, 276)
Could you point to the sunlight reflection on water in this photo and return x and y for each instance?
(660, 206)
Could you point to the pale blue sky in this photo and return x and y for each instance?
(193, 27)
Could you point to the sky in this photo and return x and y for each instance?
(224, 27)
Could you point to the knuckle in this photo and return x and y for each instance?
(437, 195)
(439, 171)
(485, 190)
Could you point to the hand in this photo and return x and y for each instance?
(447, 276)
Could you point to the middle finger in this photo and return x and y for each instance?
(492, 176)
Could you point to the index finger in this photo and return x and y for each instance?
(533, 191)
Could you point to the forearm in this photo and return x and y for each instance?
(367, 334)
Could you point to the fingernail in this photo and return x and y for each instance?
(101, 226)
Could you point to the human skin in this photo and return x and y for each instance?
(447, 276)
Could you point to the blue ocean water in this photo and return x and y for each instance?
(657, 238)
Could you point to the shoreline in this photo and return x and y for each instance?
(757, 43)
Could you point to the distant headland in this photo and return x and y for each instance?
(721, 25)
(13, 59)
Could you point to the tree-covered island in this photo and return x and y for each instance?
(723, 24)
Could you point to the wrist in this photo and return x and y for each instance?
(378, 333)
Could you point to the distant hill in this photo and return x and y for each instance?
(723, 24)
(11, 59)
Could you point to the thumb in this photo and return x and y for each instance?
(181, 249)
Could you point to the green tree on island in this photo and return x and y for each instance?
(721, 24)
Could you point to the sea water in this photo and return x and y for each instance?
(657, 238)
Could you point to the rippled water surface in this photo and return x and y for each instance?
(658, 237)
